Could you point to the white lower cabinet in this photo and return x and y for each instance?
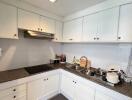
(67, 86)
(101, 96)
(14, 93)
(103, 93)
(41, 88)
(76, 90)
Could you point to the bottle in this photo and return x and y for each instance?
(74, 60)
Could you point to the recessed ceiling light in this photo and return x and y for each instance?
(53, 1)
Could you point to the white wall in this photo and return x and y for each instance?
(101, 55)
(26, 52)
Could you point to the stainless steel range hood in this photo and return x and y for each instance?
(37, 35)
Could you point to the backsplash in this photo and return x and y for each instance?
(26, 52)
(101, 55)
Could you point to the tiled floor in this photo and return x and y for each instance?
(59, 97)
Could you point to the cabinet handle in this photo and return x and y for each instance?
(119, 38)
(44, 79)
(98, 38)
(15, 35)
(14, 96)
(14, 90)
(71, 39)
(94, 38)
(47, 79)
(38, 29)
(41, 29)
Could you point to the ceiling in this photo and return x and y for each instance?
(63, 7)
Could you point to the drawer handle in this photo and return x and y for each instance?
(47, 79)
(14, 90)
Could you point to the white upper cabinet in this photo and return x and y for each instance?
(35, 22)
(90, 27)
(108, 25)
(28, 20)
(58, 31)
(102, 26)
(8, 22)
(47, 25)
(125, 23)
(72, 30)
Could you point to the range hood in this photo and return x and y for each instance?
(37, 35)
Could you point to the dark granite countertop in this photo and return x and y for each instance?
(124, 88)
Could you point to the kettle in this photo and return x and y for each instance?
(112, 75)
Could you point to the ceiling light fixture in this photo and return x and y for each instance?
(53, 1)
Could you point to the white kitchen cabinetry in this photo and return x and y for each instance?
(76, 90)
(28, 20)
(47, 25)
(103, 93)
(8, 21)
(67, 86)
(101, 96)
(41, 88)
(35, 22)
(108, 25)
(58, 31)
(14, 93)
(90, 27)
(73, 30)
(125, 23)
(102, 26)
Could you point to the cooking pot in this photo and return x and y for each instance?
(112, 77)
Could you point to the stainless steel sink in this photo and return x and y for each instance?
(38, 69)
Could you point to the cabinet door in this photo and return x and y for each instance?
(102, 96)
(125, 23)
(90, 26)
(67, 86)
(36, 89)
(8, 21)
(73, 30)
(47, 25)
(108, 25)
(28, 20)
(83, 92)
(58, 31)
(51, 84)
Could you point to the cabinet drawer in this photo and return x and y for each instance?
(12, 90)
(17, 96)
